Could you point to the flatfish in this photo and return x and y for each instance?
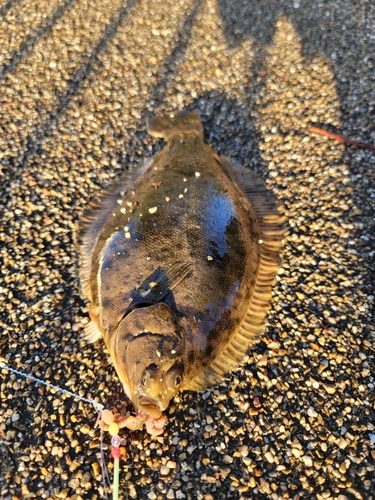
(177, 260)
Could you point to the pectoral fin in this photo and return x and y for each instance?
(155, 288)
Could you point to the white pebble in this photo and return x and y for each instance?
(164, 470)
(307, 460)
(311, 412)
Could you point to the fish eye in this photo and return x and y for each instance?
(173, 378)
(149, 375)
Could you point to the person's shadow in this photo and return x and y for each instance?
(327, 30)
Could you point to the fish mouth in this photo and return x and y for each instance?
(149, 406)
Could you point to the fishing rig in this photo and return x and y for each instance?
(104, 415)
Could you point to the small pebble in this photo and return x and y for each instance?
(164, 470)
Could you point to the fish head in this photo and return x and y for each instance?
(148, 356)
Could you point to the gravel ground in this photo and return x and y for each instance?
(78, 80)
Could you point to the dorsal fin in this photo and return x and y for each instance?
(91, 333)
(273, 231)
(95, 217)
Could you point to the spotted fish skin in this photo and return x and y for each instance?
(178, 260)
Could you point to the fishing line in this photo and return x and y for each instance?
(97, 405)
(105, 476)
(116, 453)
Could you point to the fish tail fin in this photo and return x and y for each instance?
(182, 123)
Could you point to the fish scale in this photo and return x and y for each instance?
(178, 261)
